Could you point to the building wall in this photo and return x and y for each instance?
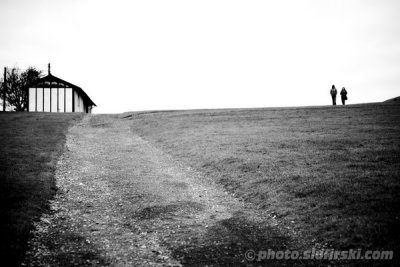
(82, 104)
(46, 100)
(76, 98)
(79, 103)
(39, 99)
(54, 99)
(68, 99)
(32, 99)
(60, 99)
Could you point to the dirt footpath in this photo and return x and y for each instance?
(123, 202)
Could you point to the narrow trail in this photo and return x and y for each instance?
(123, 202)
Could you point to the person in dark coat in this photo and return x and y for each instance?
(333, 94)
(343, 94)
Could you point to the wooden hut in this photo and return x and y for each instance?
(52, 94)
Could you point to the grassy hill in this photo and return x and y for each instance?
(393, 100)
(30, 144)
(330, 173)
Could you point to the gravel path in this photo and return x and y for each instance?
(123, 202)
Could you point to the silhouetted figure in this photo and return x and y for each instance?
(343, 94)
(333, 94)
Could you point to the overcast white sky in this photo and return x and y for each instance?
(143, 55)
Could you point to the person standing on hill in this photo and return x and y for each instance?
(343, 94)
(333, 94)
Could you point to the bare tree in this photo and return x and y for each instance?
(17, 83)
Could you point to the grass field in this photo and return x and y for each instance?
(30, 145)
(330, 173)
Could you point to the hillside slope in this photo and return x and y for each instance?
(393, 100)
(330, 172)
(30, 144)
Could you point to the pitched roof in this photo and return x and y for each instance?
(51, 81)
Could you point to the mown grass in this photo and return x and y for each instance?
(30, 144)
(331, 173)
